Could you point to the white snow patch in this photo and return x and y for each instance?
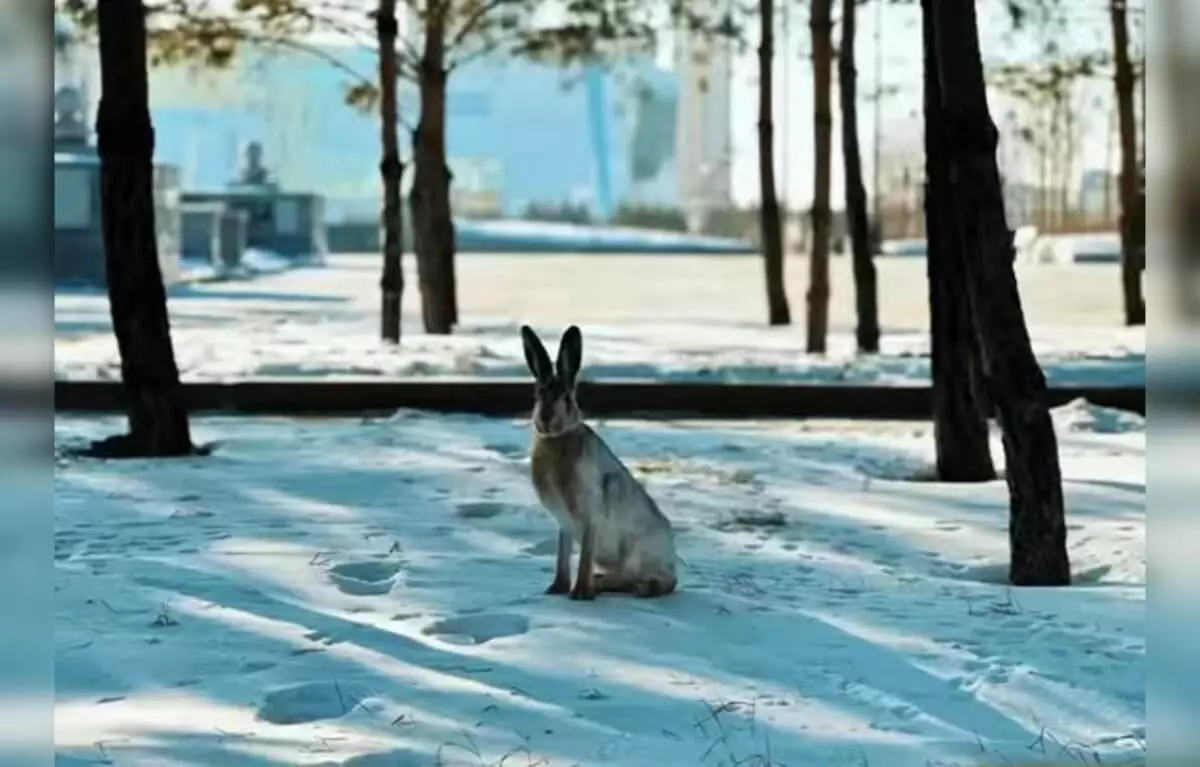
(478, 629)
(323, 323)
(1079, 415)
(203, 614)
(310, 702)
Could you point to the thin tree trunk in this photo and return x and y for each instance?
(391, 170)
(866, 301)
(1071, 149)
(778, 312)
(1108, 166)
(433, 227)
(1132, 256)
(821, 25)
(983, 245)
(1055, 193)
(960, 424)
(1043, 223)
(158, 419)
(877, 229)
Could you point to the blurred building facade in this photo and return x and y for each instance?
(704, 129)
(1098, 193)
(519, 133)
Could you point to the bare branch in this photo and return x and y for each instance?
(475, 17)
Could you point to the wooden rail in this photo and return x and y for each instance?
(512, 397)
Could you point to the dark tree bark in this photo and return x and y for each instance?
(983, 245)
(158, 419)
(1133, 253)
(960, 423)
(778, 312)
(821, 26)
(433, 227)
(865, 291)
(391, 169)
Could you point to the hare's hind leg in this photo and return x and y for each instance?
(614, 582)
(562, 565)
(655, 586)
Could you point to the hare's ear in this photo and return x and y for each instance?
(535, 355)
(570, 355)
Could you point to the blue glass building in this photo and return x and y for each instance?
(518, 132)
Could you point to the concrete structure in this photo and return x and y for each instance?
(213, 233)
(256, 213)
(289, 224)
(78, 233)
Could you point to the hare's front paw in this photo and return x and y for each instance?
(560, 586)
(583, 591)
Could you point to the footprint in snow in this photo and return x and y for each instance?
(399, 758)
(479, 509)
(310, 702)
(507, 450)
(364, 579)
(479, 628)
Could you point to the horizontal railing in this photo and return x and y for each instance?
(513, 397)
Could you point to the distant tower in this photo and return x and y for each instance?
(704, 124)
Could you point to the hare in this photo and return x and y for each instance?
(587, 489)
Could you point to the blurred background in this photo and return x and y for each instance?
(607, 175)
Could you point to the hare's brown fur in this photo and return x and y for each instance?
(554, 463)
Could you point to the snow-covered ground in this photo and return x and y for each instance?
(545, 236)
(254, 263)
(680, 317)
(369, 594)
(1101, 247)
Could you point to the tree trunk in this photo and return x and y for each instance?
(433, 227)
(866, 301)
(1108, 153)
(960, 423)
(1055, 155)
(1132, 256)
(391, 170)
(158, 419)
(821, 25)
(778, 312)
(983, 246)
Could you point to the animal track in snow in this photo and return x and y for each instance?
(364, 579)
(478, 628)
(310, 702)
(507, 450)
(399, 758)
(479, 509)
